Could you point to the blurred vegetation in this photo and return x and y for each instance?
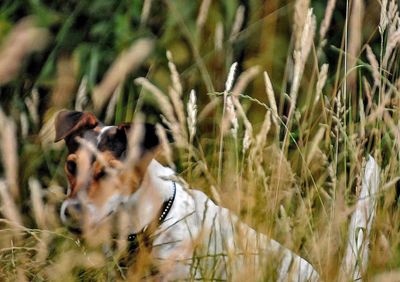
(84, 38)
(87, 36)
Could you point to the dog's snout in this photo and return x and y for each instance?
(73, 210)
(71, 213)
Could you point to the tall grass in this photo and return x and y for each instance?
(281, 144)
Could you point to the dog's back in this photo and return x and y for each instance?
(209, 242)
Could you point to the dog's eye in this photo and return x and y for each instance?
(71, 167)
(100, 175)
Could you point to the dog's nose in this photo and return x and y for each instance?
(71, 213)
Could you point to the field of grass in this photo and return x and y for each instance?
(274, 107)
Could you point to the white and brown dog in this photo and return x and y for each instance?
(187, 235)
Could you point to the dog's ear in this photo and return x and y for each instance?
(68, 122)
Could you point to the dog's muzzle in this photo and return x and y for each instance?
(71, 214)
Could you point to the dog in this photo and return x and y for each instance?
(186, 234)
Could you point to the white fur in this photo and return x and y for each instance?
(102, 131)
(150, 194)
(97, 215)
(194, 218)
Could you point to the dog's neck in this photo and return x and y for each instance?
(146, 202)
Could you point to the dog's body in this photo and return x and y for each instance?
(194, 220)
(196, 240)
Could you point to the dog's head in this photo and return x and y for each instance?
(99, 178)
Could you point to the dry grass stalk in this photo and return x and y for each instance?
(208, 109)
(90, 149)
(127, 62)
(326, 22)
(23, 118)
(43, 247)
(247, 140)
(300, 58)
(123, 232)
(83, 163)
(65, 84)
(21, 276)
(393, 17)
(393, 41)
(112, 104)
(215, 194)
(162, 100)
(226, 120)
(271, 99)
(255, 154)
(9, 153)
(135, 137)
(301, 55)
(47, 133)
(231, 77)
(394, 127)
(176, 82)
(55, 194)
(25, 38)
(229, 118)
(66, 261)
(203, 14)
(323, 75)
(383, 21)
(81, 97)
(237, 23)
(368, 93)
(192, 114)
(242, 82)
(166, 122)
(362, 119)
(219, 36)
(282, 178)
(337, 115)
(244, 79)
(379, 110)
(374, 65)
(390, 20)
(166, 148)
(261, 138)
(387, 276)
(8, 207)
(145, 11)
(299, 20)
(32, 103)
(37, 203)
(356, 18)
(314, 145)
(178, 109)
(232, 117)
(168, 111)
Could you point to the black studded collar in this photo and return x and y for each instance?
(146, 232)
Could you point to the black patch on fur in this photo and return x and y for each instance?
(115, 140)
(150, 140)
